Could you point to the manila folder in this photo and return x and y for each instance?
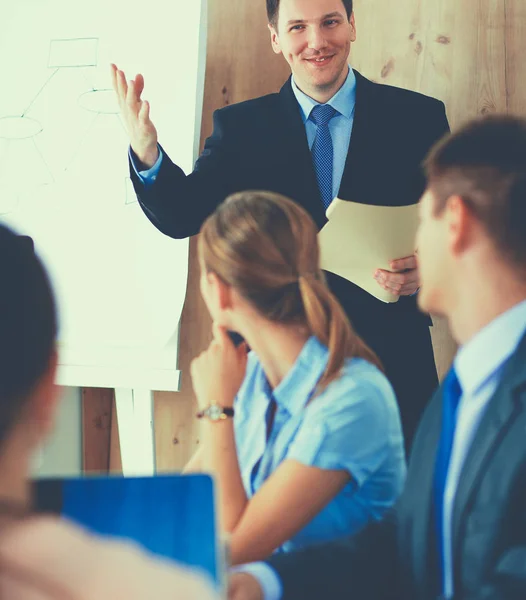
(360, 238)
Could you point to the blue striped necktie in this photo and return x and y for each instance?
(322, 150)
(451, 394)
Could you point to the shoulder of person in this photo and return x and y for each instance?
(360, 386)
(409, 99)
(248, 110)
(61, 555)
(402, 99)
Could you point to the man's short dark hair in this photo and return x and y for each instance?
(485, 164)
(28, 325)
(273, 10)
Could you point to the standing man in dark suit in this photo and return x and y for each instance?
(328, 132)
(459, 529)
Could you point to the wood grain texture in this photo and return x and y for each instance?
(96, 429)
(115, 464)
(454, 51)
(515, 23)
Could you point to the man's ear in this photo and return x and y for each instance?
(274, 39)
(352, 22)
(460, 221)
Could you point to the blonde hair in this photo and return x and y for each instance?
(265, 246)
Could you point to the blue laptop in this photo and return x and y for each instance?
(170, 515)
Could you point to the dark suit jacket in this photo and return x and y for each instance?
(262, 144)
(396, 559)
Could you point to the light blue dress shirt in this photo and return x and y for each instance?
(479, 364)
(353, 425)
(340, 127)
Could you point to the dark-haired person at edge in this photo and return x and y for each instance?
(328, 132)
(458, 531)
(43, 557)
(310, 446)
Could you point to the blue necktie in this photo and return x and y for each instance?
(451, 393)
(322, 150)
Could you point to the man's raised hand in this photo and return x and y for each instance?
(136, 115)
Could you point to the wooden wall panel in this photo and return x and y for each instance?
(101, 451)
(115, 463)
(454, 51)
(96, 429)
(515, 18)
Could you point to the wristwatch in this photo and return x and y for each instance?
(215, 412)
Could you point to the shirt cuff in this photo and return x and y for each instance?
(148, 176)
(267, 578)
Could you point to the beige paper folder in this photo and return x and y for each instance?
(359, 238)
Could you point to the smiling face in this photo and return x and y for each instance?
(315, 38)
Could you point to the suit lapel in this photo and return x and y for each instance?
(297, 156)
(503, 409)
(294, 149)
(422, 469)
(360, 143)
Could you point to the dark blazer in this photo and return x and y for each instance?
(396, 559)
(262, 144)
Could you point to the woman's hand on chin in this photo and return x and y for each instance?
(218, 372)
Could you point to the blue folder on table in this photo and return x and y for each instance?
(170, 515)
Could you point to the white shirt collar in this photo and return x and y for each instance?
(343, 101)
(489, 349)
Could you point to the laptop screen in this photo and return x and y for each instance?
(170, 515)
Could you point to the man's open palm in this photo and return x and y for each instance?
(136, 115)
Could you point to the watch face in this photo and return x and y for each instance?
(215, 412)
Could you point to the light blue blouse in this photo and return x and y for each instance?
(353, 425)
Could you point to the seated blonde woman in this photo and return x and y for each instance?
(44, 558)
(303, 434)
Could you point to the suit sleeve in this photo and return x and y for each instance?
(441, 123)
(507, 583)
(435, 125)
(507, 579)
(178, 204)
(360, 567)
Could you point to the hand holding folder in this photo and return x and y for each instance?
(360, 238)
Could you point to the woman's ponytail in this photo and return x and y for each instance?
(327, 321)
(265, 246)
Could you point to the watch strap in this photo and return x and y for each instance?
(223, 413)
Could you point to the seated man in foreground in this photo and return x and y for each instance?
(459, 530)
